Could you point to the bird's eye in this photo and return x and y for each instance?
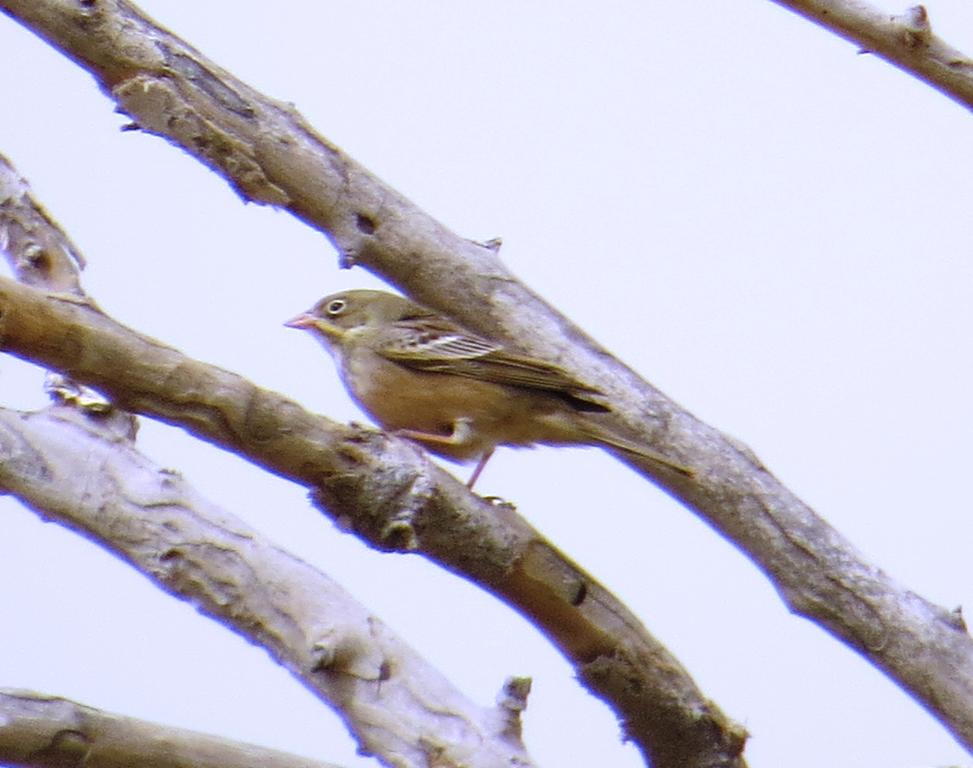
(336, 307)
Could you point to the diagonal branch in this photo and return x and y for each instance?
(39, 731)
(205, 556)
(272, 156)
(83, 471)
(905, 41)
(39, 252)
(658, 702)
(389, 493)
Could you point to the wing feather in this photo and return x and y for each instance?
(436, 345)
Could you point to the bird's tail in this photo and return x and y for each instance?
(607, 439)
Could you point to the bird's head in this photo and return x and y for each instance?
(339, 314)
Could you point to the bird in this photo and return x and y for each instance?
(427, 378)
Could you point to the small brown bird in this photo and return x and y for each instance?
(458, 394)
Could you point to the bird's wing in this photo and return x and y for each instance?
(443, 347)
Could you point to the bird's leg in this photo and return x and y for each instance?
(460, 434)
(479, 468)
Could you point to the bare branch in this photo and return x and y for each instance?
(906, 41)
(83, 471)
(39, 252)
(272, 156)
(388, 492)
(665, 699)
(39, 731)
(42, 254)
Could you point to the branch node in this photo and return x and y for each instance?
(349, 652)
(493, 244)
(511, 701)
(158, 104)
(513, 695)
(955, 619)
(347, 258)
(323, 655)
(400, 534)
(65, 391)
(365, 223)
(915, 26)
(68, 747)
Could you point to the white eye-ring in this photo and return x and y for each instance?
(336, 306)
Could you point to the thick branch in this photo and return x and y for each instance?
(664, 693)
(38, 731)
(391, 494)
(65, 464)
(83, 471)
(271, 155)
(905, 41)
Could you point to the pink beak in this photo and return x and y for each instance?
(303, 320)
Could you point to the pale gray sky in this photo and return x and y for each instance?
(769, 227)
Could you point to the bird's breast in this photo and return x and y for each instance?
(398, 397)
